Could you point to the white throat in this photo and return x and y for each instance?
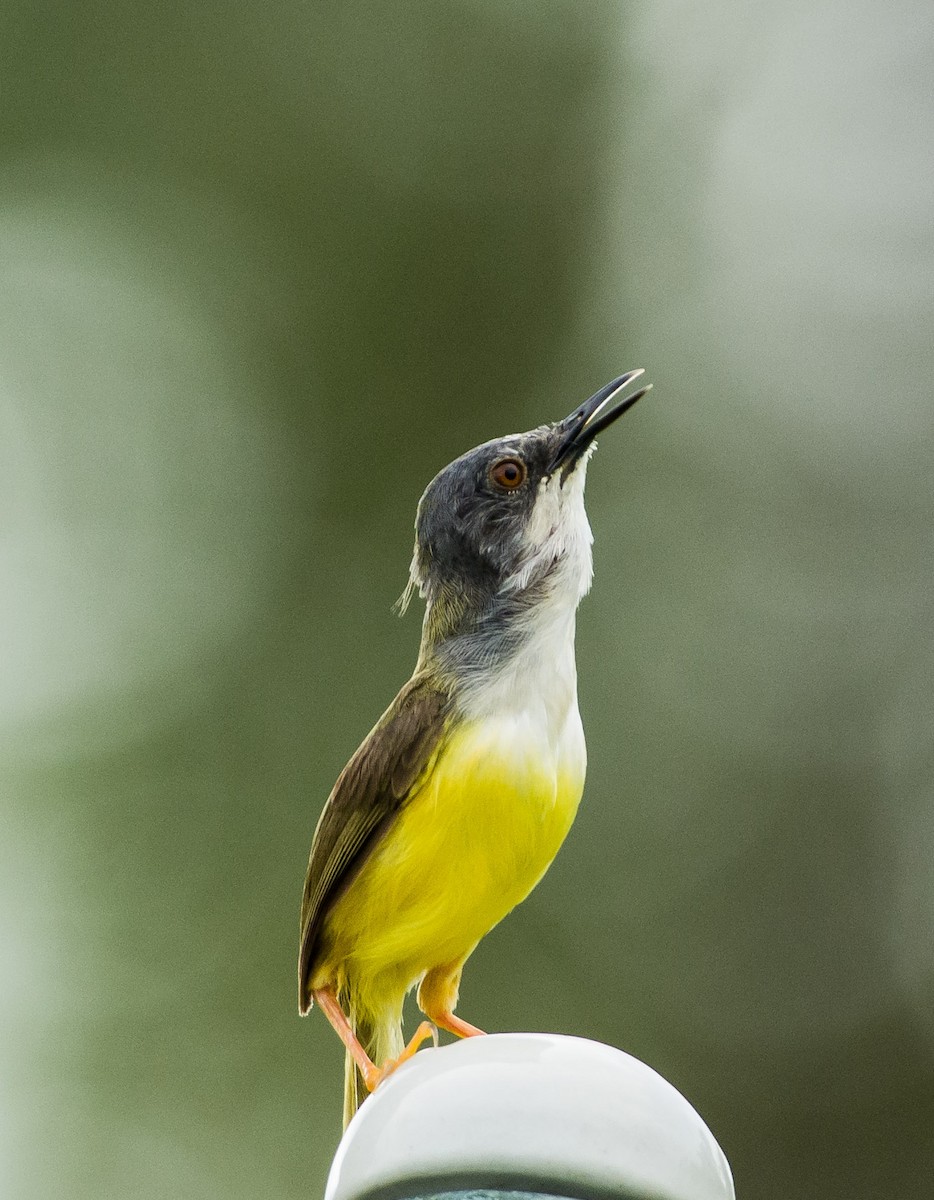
(538, 681)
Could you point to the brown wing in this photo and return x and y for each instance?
(369, 792)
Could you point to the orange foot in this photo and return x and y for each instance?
(455, 1025)
(437, 998)
(375, 1077)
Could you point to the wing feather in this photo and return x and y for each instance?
(369, 792)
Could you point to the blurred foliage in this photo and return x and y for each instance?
(264, 271)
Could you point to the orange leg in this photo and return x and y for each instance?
(422, 1034)
(437, 998)
(372, 1074)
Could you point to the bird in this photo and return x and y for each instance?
(457, 801)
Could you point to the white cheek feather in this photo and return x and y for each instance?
(559, 533)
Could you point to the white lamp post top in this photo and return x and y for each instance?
(528, 1112)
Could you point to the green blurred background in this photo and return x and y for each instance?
(263, 271)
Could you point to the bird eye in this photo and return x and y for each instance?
(508, 473)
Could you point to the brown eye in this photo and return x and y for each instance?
(508, 474)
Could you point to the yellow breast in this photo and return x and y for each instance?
(465, 849)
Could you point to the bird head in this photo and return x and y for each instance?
(503, 526)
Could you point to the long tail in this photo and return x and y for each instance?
(381, 1038)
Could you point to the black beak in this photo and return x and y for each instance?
(577, 431)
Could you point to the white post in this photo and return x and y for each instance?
(529, 1113)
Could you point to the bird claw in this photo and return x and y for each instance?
(375, 1078)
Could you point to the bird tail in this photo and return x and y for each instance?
(381, 1038)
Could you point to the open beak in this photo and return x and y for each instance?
(577, 431)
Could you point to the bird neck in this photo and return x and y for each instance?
(499, 654)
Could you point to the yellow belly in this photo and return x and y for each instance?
(465, 849)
